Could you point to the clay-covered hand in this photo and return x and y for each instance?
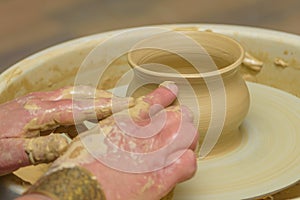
(138, 157)
(23, 119)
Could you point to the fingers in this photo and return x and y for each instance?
(179, 131)
(173, 123)
(162, 97)
(186, 137)
(135, 123)
(187, 114)
(184, 168)
(51, 114)
(20, 152)
(13, 155)
(70, 112)
(181, 170)
(70, 105)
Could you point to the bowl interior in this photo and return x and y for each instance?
(186, 52)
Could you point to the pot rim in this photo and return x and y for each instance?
(213, 73)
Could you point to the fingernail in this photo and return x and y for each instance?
(171, 86)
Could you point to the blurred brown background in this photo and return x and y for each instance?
(28, 26)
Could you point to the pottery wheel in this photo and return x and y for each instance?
(267, 160)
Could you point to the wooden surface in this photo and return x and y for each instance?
(28, 26)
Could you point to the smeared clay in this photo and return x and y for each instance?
(76, 154)
(46, 148)
(32, 173)
(249, 77)
(150, 182)
(280, 63)
(252, 63)
(33, 127)
(140, 107)
(31, 106)
(85, 92)
(166, 84)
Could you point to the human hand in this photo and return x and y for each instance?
(116, 155)
(23, 119)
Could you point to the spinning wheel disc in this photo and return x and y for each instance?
(267, 159)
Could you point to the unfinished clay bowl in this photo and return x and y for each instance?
(205, 66)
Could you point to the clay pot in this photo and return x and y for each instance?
(205, 66)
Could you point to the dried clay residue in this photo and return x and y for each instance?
(252, 63)
(280, 63)
(251, 67)
(47, 148)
